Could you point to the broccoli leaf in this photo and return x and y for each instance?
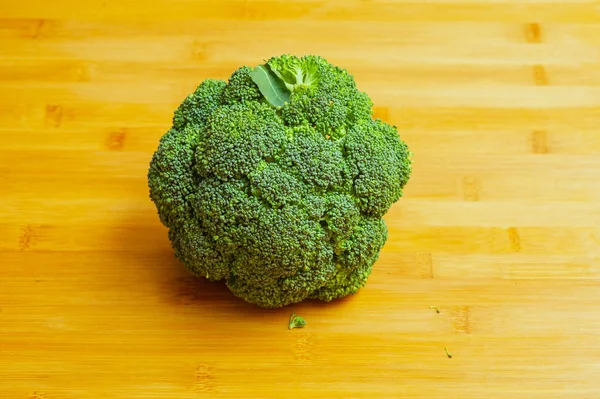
(272, 88)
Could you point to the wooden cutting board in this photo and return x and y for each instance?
(499, 226)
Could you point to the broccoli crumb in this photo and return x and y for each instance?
(448, 353)
(296, 321)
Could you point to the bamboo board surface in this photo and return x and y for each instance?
(499, 226)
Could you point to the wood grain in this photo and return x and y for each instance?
(499, 226)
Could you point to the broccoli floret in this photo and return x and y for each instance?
(376, 158)
(200, 252)
(281, 200)
(357, 254)
(315, 160)
(240, 87)
(237, 137)
(198, 106)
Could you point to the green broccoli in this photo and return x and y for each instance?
(277, 180)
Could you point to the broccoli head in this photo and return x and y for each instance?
(276, 181)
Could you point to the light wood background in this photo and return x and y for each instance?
(499, 228)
